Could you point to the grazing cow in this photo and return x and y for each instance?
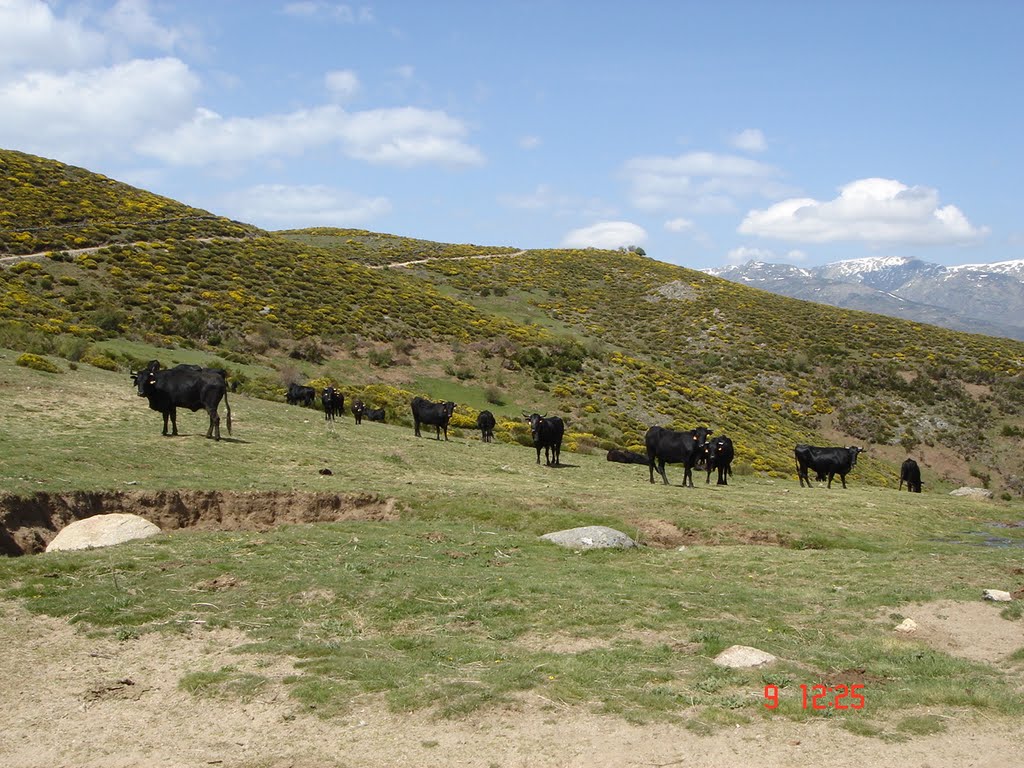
(547, 432)
(911, 474)
(718, 454)
(825, 461)
(184, 386)
(485, 423)
(374, 414)
(435, 415)
(300, 395)
(626, 457)
(333, 402)
(668, 445)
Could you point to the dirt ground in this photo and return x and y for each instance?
(67, 700)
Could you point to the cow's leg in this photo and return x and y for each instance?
(661, 470)
(174, 422)
(165, 414)
(721, 476)
(538, 454)
(843, 478)
(416, 426)
(650, 465)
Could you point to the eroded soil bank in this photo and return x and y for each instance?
(28, 523)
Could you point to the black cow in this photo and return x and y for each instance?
(911, 474)
(184, 386)
(374, 414)
(626, 457)
(358, 409)
(718, 454)
(547, 432)
(435, 415)
(825, 461)
(668, 445)
(300, 395)
(485, 423)
(333, 402)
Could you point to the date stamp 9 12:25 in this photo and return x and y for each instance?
(821, 696)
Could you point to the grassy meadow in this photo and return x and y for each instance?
(458, 606)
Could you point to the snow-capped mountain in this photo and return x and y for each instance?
(980, 298)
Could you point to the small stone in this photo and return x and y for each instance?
(972, 493)
(906, 626)
(997, 595)
(743, 657)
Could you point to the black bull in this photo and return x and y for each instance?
(829, 461)
(669, 446)
(184, 386)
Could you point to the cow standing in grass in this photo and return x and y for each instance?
(485, 423)
(910, 473)
(184, 386)
(435, 415)
(674, 447)
(718, 454)
(333, 402)
(830, 461)
(547, 432)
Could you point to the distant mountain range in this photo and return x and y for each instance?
(978, 298)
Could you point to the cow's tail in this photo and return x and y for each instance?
(227, 407)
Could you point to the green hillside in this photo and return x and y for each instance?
(48, 206)
(612, 341)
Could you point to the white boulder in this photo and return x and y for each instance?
(102, 531)
(743, 657)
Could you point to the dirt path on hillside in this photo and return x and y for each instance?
(447, 258)
(94, 248)
(67, 700)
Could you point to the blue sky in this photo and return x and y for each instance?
(707, 133)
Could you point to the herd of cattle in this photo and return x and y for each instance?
(195, 387)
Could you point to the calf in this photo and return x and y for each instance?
(358, 409)
(626, 457)
(485, 423)
(718, 454)
(670, 446)
(184, 386)
(435, 415)
(547, 432)
(825, 461)
(910, 473)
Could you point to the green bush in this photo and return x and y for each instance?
(37, 363)
(100, 361)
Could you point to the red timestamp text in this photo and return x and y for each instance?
(821, 696)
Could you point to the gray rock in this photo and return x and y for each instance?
(590, 537)
(102, 531)
(998, 595)
(743, 657)
(972, 493)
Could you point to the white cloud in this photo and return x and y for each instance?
(403, 137)
(606, 234)
(31, 37)
(279, 206)
(529, 142)
(881, 211)
(750, 140)
(679, 224)
(702, 182)
(339, 12)
(342, 84)
(83, 113)
(129, 22)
